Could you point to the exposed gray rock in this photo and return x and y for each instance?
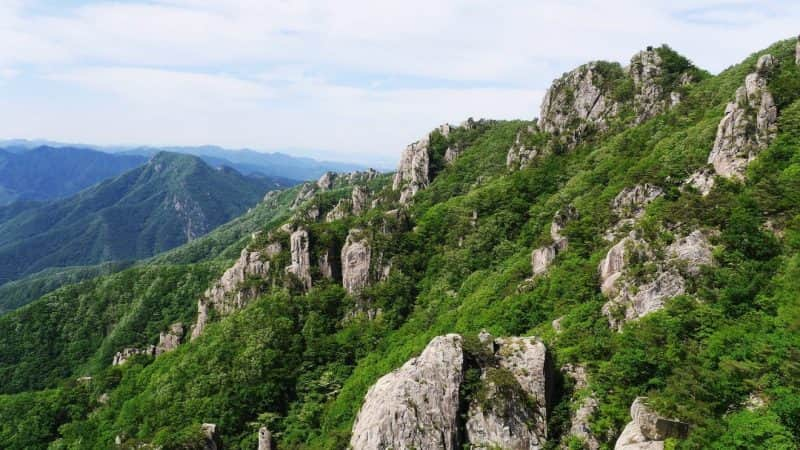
(325, 182)
(358, 199)
(612, 265)
(272, 249)
(306, 192)
(415, 406)
(519, 155)
(339, 211)
(749, 124)
(211, 436)
(452, 153)
(630, 305)
(702, 180)
(562, 217)
(502, 420)
(541, 259)
(647, 71)
(301, 258)
(355, 262)
(412, 173)
(362, 176)
(325, 266)
(169, 340)
(202, 319)
(577, 103)
(271, 195)
(123, 356)
(632, 201)
(264, 439)
(647, 430)
(797, 52)
(249, 264)
(527, 360)
(693, 250)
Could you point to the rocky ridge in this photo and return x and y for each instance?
(748, 126)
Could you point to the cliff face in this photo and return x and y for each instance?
(749, 124)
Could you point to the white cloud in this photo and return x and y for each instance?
(359, 78)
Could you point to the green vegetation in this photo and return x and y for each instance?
(301, 363)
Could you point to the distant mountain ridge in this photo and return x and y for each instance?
(47, 173)
(170, 200)
(244, 160)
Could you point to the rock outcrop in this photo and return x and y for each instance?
(702, 180)
(355, 262)
(631, 299)
(647, 71)
(264, 439)
(169, 340)
(412, 173)
(306, 192)
(325, 182)
(338, 212)
(749, 124)
(521, 155)
(124, 355)
(647, 430)
(542, 257)
(211, 439)
(358, 200)
(301, 258)
(452, 153)
(797, 52)
(578, 103)
(249, 264)
(631, 202)
(416, 406)
(587, 406)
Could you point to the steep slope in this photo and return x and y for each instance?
(171, 200)
(326, 323)
(47, 173)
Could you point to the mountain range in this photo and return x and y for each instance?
(619, 272)
(170, 200)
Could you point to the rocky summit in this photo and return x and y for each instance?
(620, 272)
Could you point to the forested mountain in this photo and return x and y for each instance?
(621, 272)
(171, 200)
(46, 173)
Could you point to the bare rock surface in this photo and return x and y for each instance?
(702, 180)
(355, 262)
(264, 439)
(412, 172)
(169, 340)
(631, 202)
(416, 406)
(224, 295)
(647, 430)
(748, 126)
(520, 155)
(358, 200)
(577, 103)
(301, 258)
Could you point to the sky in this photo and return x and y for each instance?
(340, 80)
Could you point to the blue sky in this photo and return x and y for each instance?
(345, 80)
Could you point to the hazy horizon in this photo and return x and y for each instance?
(348, 82)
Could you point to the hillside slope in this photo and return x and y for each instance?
(171, 200)
(640, 238)
(47, 173)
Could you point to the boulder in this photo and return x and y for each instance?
(748, 126)
(355, 262)
(647, 430)
(301, 258)
(415, 406)
(578, 103)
